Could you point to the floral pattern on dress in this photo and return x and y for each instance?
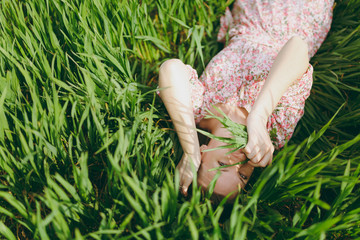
(257, 30)
(274, 22)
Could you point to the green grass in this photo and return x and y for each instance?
(87, 150)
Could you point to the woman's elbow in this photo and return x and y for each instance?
(301, 46)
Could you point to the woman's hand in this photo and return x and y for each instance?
(259, 148)
(186, 171)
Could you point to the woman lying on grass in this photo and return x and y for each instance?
(260, 79)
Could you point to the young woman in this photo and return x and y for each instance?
(261, 78)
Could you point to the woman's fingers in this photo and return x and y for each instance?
(255, 160)
(266, 159)
(251, 151)
(261, 160)
(186, 174)
(184, 190)
(259, 156)
(185, 183)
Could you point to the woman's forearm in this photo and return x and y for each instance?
(174, 81)
(289, 65)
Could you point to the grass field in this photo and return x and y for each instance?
(87, 150)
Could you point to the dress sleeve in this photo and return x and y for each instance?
(226, 23)
(318, 16)
(197, 91)
(282, 122)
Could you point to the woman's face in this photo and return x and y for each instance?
(233, 178)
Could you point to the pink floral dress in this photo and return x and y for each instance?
(257, 30)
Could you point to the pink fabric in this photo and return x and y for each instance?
(257, 31)
(274, 22)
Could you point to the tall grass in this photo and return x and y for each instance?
(87, 150)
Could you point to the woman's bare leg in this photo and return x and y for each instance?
(175, 92)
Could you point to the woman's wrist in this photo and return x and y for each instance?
(257, 116)
(194, 158)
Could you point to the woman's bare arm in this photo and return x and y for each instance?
(289, 65)
(174, 80)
